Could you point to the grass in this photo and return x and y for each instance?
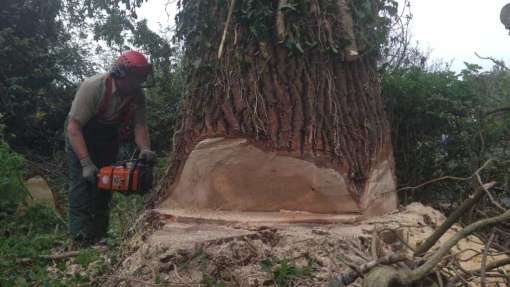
(283, 272)
(23, 239)
(38, 230)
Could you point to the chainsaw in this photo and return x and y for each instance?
(127, 177)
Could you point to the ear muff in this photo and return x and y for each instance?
(118, 71)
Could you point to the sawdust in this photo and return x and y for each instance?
(204, 254)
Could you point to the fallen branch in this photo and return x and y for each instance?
(451, 220)
(493, 265)
(457, 214)
(433, 181)
(483, 268)
(350, 276)
(146, 283)
(446, 178)
(70, 254)
(390, 275)
(61, 256)
(477, 272)
(491, 198)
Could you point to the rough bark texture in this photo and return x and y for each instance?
(288, 88)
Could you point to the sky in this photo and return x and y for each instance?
(451, 30)
(456, 29)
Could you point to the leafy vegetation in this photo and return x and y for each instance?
(443, 123)
(25, 237)
(12, 192)
(447, 124)
(284, 272)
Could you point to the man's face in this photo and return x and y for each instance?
(131, 82)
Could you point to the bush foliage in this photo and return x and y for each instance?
(12, 164)
(443, 123)
(447, 124)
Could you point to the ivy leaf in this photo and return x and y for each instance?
(300, 49)
(289, 7)
(222, 3)
(196, 64)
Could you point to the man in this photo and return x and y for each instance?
(104, 106)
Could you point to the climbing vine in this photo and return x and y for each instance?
(299, 26)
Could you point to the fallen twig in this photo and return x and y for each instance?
(426, 268)
(433, 181)
(350, 276)
(385, 275)
(451, 220)
(61, 256)
(70, 254)
(491, 198)
(483, 268)
(145, 283)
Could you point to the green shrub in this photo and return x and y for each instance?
(443, 125)
(12, 191)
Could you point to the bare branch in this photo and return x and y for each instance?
(350, 276)
(483, 268)
(433, 181)
(426, 268)
(452, 219)
(498, 63)
(498, 111)
(493, 201)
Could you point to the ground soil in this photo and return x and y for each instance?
(208, 252)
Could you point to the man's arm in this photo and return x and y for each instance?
(79, 146)
(142, 139)
(76, 138)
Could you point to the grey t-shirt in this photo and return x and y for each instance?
(87, 102)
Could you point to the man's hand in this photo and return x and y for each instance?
(89, 170)
(147, 155)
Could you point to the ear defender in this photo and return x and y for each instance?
(118, 71)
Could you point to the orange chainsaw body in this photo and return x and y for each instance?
(118, 178)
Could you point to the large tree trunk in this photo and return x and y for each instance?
(292, 100)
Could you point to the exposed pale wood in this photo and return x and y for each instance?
(225, 217)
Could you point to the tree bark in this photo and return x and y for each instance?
(286, 87)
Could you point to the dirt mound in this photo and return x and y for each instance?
(247, 254)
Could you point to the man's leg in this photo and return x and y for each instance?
(101, 202)
(102, 155)
(80, 202)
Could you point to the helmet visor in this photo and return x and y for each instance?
(141, 72)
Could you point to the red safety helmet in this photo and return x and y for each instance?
(132, 62)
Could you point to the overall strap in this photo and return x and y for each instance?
(127, 111)
(125, 114)
(105, 101)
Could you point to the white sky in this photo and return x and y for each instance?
(456, 29)
(453, 30)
